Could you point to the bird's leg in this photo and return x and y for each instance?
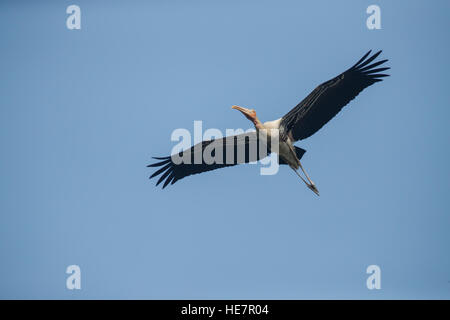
(311, 184)
(307, 177)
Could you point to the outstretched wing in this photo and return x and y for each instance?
(209, 155)
(324, 102)
(213, 154)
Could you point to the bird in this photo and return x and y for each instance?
(304, 120)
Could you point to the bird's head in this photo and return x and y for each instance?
(250, 114)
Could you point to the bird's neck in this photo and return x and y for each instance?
(258, 125)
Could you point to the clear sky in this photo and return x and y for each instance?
(83, 111)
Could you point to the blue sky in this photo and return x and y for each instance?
(83, 111)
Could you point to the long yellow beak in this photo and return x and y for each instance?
(243, 110)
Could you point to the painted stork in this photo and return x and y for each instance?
(311, 114)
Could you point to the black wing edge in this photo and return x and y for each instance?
(167, 170)
(362, 73)
(363, 67)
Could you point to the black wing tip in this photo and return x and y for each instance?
(366, 59)
(158, 164)
(361, 60)
(166, 171)
(367, 69)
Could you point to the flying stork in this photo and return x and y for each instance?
(305, 119)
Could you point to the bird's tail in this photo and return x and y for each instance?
(298, 151)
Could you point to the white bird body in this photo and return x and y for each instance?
(275, 124)
(285, 148)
